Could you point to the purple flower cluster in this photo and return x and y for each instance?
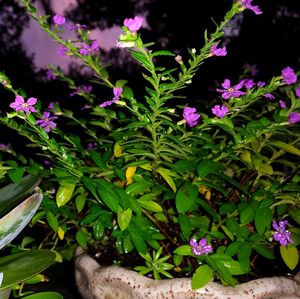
(134, 24)
(288, 75)
(231, 91)
(82, 89)
(117, 91)
(20, 105)
(200, 248)
(281, 234)
(59, 20)
(247, 5)
(214, 50)
(220, 111)
(62, 51)
(46, 122)
(89, 49)
(294, 117)
(191, 116)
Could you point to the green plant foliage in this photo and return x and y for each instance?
(25, 265)
(150, 173)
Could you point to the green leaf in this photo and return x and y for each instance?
(127, 244)
(221, 270)
(96, 157)
(142, 59)
(166, 174)
(287, 147)
(290, 256)
(91, 185)
(12, 194)
(263, 219)
(64, 194)
(138, 240)
(232, 266)
(15, 221)
(185, 225)
(202, 276)
(108, 195)
(124, 218)
(81, 238)
(150, 205)
(208, 166)
(52, 221)
(16, 174)
(183, 250)
(186, 197)
(162, 53)
(44, 295)
(79, 202)
(244, 256)
(247, 215)
(264, 251)
(24, 265)
(138, 188)
(98, 230)
(228, 232)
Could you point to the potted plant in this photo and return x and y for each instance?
(158, 185)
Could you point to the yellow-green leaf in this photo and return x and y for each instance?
(290, 256)
(246, 156)
(166, 174)
(124, 218)
(64, 194)
(117, 150)
(130, 171)
(150, 205)
(265, 168)
(287, 147)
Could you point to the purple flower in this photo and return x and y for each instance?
(269, 96)
(82, 89)
(248, 83)
(51, 106)
(294, 117)
(20, 105)
(282, 104)
(62, 51)
(91, 146)
(59, 20)
(252, 68)
(117, 91)
(76, 26)
(191, 116)
(200, 248)
(88, 50)
(261, 84)
(229, 91)
(134, 24)
(282, 235)
(289, 75)
(298, 91)
(220, 111)
(218, 51)
(50, 75)
(247, 5)
(46, 122)
(5, 147)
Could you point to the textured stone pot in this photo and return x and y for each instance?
(96, 282)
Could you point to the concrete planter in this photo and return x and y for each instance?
(96, 282)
